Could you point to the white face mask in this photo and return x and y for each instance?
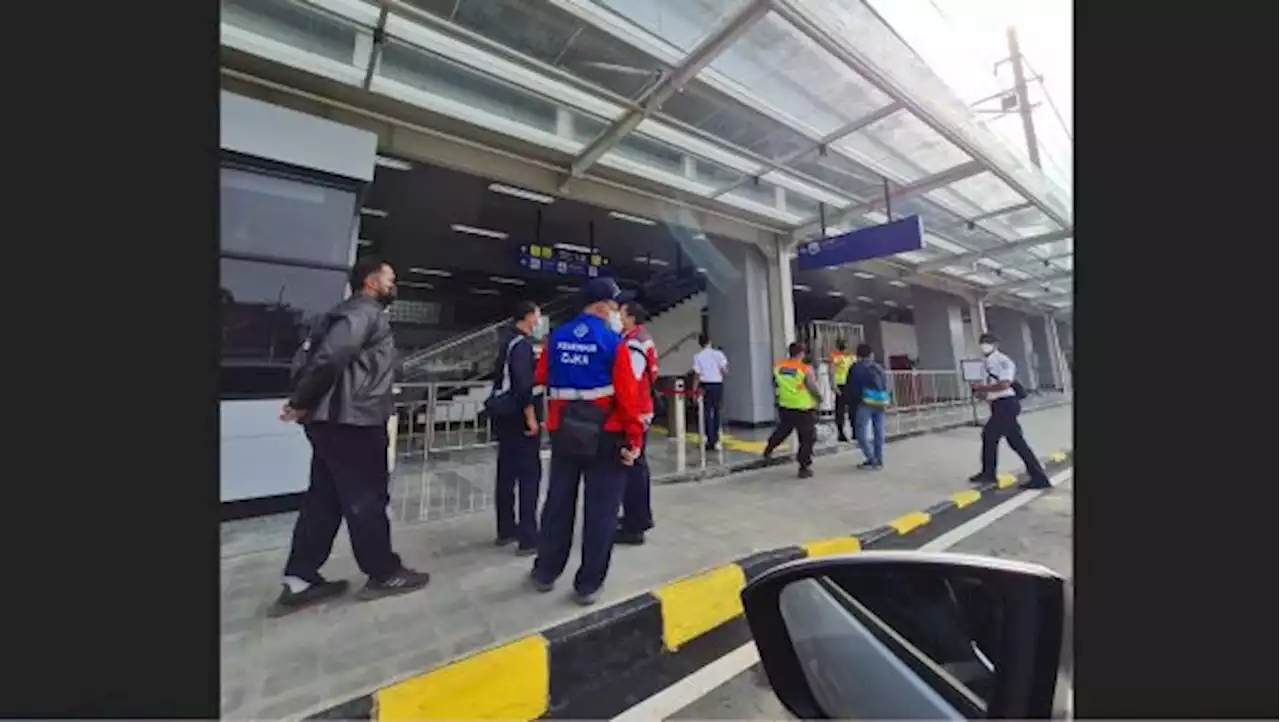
(539, 327)
(615, 321)
(986, 348)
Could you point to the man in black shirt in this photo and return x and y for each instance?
(516, 412)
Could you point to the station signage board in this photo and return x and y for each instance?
(886, 239)
(559, 262)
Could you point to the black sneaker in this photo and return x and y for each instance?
(629, 538)
(402, 582)
(867, 465)
(526, 551)
(805, 473)
(982, 479)
(290, 601)
(842, 438)
(1036, 484)
(586, 600)
(504, 541)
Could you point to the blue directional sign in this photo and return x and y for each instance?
(546, 259)
(900, 236)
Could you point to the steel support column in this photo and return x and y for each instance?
(668, 84)
(920, 187)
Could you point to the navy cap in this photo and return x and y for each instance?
(602, 289)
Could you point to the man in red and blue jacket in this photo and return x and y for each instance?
(594, 419)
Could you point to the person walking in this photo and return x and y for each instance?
(342, 396)
(710, 367)
(869, 384)
(515, 409)
(797, 389)
(1004, 393)
(596, 432)
(637, 509)
(840, 362)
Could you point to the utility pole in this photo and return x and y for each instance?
(1024, 102)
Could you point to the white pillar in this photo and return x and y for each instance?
(782, 308)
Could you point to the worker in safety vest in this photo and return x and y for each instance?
(797, 388)
(596, 429)
(840, 362)
(637, 511)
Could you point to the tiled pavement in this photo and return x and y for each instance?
(299, 664)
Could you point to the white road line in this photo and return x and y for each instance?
(694, 687)
(989, 517)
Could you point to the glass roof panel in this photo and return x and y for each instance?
(296, 25)
(902, 147)
(1023, 223)
(662, 162)
(682, 23)
(541, 30)
(775, 62)
(708, 110)
(941, 221)
(838, 171)
(976, 195)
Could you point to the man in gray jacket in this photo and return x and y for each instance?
(343, 397)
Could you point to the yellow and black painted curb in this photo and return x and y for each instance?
(600, 664)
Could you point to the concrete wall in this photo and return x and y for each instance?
(739, 322)
(260, 456)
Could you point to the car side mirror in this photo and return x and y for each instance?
(911, 635)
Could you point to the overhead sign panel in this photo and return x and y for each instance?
(887, 239)
(548, 259)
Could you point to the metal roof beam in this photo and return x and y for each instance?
(963, 259)
(889, 86)
(1028, 283)
(846, 129)
(668, 84)
(920, 187)
(1002, 211)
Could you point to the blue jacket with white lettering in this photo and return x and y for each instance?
(585, 360)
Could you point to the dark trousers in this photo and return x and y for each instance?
(348, 482)
(637, 510)
(603, 480)
(1004, 424)
(844, 411)
(712, 396)
(804, 424)
(519, 477)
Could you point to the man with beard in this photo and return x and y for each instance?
(342, 396)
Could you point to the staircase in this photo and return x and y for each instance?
(470, 356)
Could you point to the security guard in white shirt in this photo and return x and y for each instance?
(1004, 393)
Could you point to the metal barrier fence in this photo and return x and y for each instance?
(443, 465)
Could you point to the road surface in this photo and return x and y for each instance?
(1036, 529)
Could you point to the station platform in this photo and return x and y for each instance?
(307, 662)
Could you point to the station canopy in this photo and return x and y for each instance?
(804, 114)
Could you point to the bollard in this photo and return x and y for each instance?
(676, 427)
(702, 430)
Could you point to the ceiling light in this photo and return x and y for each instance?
(651, 261)
(472, 230)
(567, 289)
(414, 284)
(835, 294)
(431, 272)
(699, 236)
(800, 287)
(700, 269)
(508, 281)
(364, 242)
(864, 274)
(485, 291)
(631, 218)
(911, 305)
(376, 213)
(392, 163)
(572, 247)
(866, 299)
(520, 193)
(891, 303)
(899, 284)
